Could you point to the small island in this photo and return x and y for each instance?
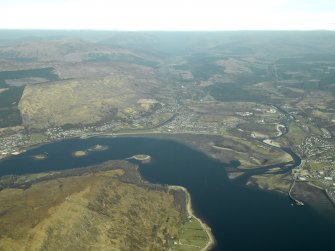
(41, 156)
(98, 148)
(141, 157)
(79, 154)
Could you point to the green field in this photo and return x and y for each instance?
(193, 237)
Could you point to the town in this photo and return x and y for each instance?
(316, 151)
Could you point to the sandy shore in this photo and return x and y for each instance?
(211, 240)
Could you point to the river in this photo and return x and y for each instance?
(241, 218)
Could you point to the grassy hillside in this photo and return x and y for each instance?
(92, 211)
(81, 101)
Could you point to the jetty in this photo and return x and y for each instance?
(296, 201)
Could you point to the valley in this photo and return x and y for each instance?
(241, 98)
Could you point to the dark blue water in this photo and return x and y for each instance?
(241, 218)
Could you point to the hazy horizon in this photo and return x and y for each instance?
(173, 15)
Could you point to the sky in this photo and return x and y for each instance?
(177, 15)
